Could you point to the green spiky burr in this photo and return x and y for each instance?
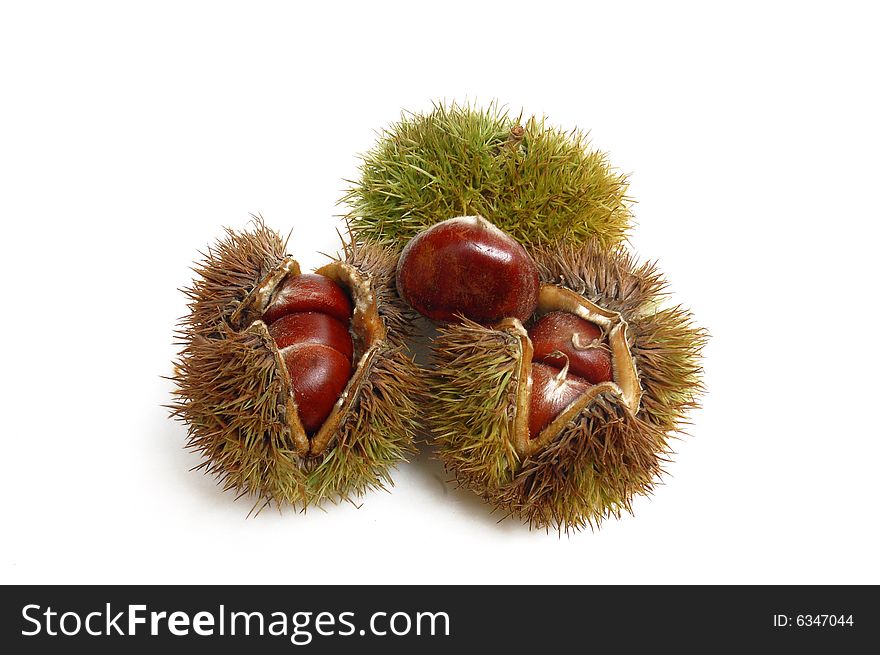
(537, 182)
(603, 450)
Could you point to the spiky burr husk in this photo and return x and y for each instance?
(233, 391)
(534, 181)
(601, 458)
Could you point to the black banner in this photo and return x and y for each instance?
(321, 619)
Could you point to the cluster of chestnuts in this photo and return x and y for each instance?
(309, 319)
(465, 268)
(555, 382)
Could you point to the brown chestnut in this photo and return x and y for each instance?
(560, 337)
(311, 327)
(467, 267)
(552, 391)
(318, 375)
(309, 292)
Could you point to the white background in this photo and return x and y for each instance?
(130, 134)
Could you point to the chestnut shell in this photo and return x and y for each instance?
(233, 389)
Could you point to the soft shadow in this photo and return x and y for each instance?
(440, 484)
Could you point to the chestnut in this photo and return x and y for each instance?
(311, 327)
(467, 267)
(552, 391)
(318, 375)
(309, 292)
(561, 337)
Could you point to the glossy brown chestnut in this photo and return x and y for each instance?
(318, 375)
(311, 327)
(467, 266)
(551, 393)
(580, 343)
(309, 292)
